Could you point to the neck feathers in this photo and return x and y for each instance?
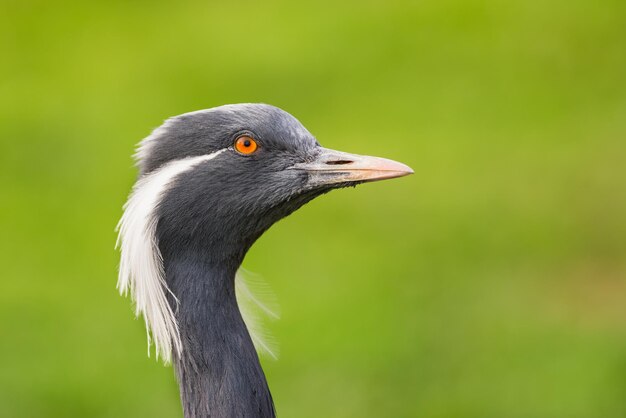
(219, 373)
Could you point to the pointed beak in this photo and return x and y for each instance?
(332, 167)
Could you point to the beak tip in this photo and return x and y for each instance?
(405, 170)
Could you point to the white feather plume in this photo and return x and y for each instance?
(257, 302)
(141, 264)
(141, 270)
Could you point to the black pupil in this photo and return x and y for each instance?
(246, 143)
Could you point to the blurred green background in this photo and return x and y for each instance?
(492, 283)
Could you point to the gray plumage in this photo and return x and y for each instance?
(205, 219)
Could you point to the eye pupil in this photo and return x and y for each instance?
(246, 143)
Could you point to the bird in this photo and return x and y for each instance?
(210, 183)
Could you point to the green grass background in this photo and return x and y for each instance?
(492, 283)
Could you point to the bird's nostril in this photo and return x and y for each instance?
(338, 162)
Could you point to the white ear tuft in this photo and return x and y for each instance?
(141, 265)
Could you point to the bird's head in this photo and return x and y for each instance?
(245, 167)
(216, 179)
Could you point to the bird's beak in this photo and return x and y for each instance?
(332, 167)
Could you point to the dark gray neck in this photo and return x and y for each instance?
(219, 373)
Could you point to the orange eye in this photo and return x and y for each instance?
(245, 145)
